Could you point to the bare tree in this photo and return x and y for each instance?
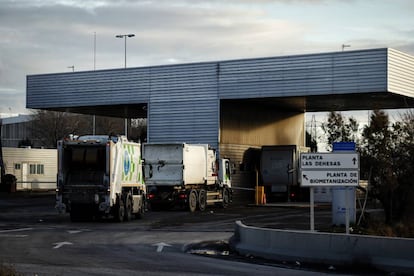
(138, 130)
(109, 125)
(50, 126)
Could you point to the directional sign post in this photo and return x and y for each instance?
(328, 169)
(330, 178)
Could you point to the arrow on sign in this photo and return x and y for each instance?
(160, 246)
(305, 177)
(60, 244)
(354, 160)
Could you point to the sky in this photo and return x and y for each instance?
(50, 36)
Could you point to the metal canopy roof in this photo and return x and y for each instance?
(347, 102)
(119, 110)
(341, 81)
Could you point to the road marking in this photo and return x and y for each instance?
(74, 231)
(78, 231)
(13, 236)
(15, 230)
(60, 244)
(160, 246)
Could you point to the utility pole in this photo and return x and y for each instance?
(125, 64)
(125, 40)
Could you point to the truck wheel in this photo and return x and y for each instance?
(202, 200)
(192, 201)
(140, 214)
(142, 209)
(128, 208)
(120, 211)
(226, 198)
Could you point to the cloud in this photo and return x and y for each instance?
(47, 36)
(12, 100)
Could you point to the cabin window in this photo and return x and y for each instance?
(40, 169)
(37, 169)
(17, 166)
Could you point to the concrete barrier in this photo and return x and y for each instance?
(390, 254)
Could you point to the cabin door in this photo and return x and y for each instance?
(25, 171)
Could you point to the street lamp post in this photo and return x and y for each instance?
(125, 37)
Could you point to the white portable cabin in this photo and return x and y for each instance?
(34, 168)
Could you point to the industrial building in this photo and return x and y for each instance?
(16, 129)
(236, 106)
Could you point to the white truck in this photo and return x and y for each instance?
(100, 176)
(185, 175)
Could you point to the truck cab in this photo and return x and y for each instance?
(224, 173)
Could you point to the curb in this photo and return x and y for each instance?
(381, 253)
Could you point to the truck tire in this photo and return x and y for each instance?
(120, 211)
(142, 209)
(128, 208)
(226, 198)
(202, 200)
(192, 201)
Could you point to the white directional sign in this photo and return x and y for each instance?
(330, 178)
(329, 169)
(329, 161)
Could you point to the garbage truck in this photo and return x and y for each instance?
(279, 169)
(185, 175)
(100, 176)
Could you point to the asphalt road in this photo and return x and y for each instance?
(38, 241)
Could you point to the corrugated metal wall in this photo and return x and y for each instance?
(304, 75)
(400, 73)
(184, 105)
(257, 125)
(103, 87)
